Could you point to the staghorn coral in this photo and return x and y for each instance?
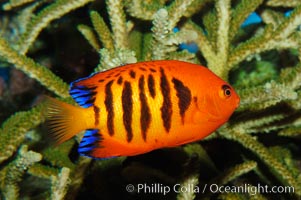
(15, 171)
(259, 145)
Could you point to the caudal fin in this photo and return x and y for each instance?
(64, 120)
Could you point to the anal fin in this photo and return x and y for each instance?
(99, 146)
(91, 140)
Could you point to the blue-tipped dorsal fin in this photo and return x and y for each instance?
(83, 95)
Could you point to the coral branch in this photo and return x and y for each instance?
(203, 43)
(277, 168)
(44, 17)
(240, 13)
(222, 42)
(280, 38)
(16, 169)
(59, 184)
(266, 95)
(88, 33)
(190, 194)
(164, 40)
(15, 3)
(102, 30)
(176, 10)
(236, 171)
(142, 9)
(34, 70)
(194, 7)
(277, 3)
(119, 57)
(42, 171)
(78, 176)
(291, 132)
(160, 30)
(13, 130)
(118, 23)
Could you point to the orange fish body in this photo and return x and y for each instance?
(140, 107)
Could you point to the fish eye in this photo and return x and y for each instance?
(227, 90)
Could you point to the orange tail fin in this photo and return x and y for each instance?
(65, 120)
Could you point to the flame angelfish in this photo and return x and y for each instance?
(136, 108)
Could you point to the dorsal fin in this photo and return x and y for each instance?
(84, 95)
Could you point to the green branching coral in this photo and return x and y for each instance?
(118, 21)
(60, 184)
(282, 37)
(15, 171)
(276, 167)
(242, 11)
(33, 70)
(193, 180)
(43, 18)
(14, 129)
(15, 3)
(259, 145)
(102, 30)
(164, 41)
(236, 171)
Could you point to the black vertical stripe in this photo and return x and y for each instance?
(127, 106)
(166, 109)
(151, 85)
(96, 115)
(143, 69)
(119, 80)
(184, 96)
(152, 70)
(109, 107)
(145, 116)
(132, 74)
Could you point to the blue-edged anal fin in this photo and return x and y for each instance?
(96, 145)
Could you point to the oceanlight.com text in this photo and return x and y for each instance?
(158, 188)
